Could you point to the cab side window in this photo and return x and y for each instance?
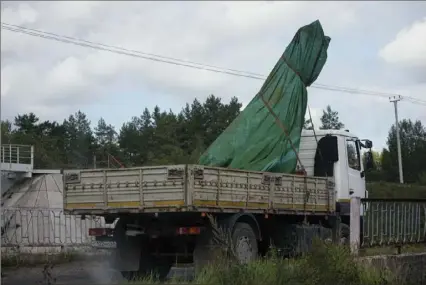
(353, 155)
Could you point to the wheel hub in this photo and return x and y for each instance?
(244, 250)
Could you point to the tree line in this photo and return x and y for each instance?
(164, 137)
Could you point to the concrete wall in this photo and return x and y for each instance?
(409, 268)
(6, 183)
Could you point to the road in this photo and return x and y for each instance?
(76, 272)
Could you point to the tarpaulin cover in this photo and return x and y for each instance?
(255, 140)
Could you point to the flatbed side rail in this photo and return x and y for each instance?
(394, 222)
(194, 188)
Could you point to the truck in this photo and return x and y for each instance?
(162, 214)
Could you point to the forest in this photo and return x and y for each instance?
(164, 137)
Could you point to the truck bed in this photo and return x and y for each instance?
(193, 188)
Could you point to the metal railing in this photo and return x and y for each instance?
(393, 222)
(385, 222)
(19, 154)
(32, 227)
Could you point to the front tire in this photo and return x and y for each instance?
(344, 234)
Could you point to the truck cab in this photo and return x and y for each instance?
(337, 154)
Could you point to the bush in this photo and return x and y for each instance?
(395, 190)
(326, 264)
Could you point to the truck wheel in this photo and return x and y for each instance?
(344, 234)
(149, 265)
(157, 267)
(245, 243)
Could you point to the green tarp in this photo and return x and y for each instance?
(255, 140)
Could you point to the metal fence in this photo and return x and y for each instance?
(385, 222)
(35, 227)
(393, 222)
(15, 153)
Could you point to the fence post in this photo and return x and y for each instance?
(355, 224)
(32, 156)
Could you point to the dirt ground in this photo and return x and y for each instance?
(76, 272)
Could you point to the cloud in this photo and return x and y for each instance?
(57, 75)
(55, 79)
(409, 46)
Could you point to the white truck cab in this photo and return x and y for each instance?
(336, 154)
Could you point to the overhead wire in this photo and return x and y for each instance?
(187, 63)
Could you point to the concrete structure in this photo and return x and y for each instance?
(17, 158)
(32, 215)
(17, 163)
(32, 205)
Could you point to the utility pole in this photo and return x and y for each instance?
(395, 100)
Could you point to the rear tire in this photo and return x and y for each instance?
(244, 246)
(149, 265)
(245, 243)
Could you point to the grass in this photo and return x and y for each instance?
(16, 259)
(326, 264)
(390, 250)
(396, 190)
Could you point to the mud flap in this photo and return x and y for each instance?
(128, 254)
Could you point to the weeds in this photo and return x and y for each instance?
(325, 264)
(15, 257)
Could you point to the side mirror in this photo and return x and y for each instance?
(367, 144)
(369, 161)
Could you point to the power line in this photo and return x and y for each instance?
(414, 100)
(132, 51)
(118, 50)
(186, 63)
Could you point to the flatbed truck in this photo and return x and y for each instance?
(161, 213)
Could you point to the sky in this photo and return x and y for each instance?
(375, 45)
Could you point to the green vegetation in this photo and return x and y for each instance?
(326, 264)
(153, 138)
(20, 259)
(396, 190)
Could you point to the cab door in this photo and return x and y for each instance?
(356, 176)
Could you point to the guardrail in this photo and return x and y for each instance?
(393, 222)
(35, 227)
(15, 153)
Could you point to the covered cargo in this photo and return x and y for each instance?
(266, 135)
